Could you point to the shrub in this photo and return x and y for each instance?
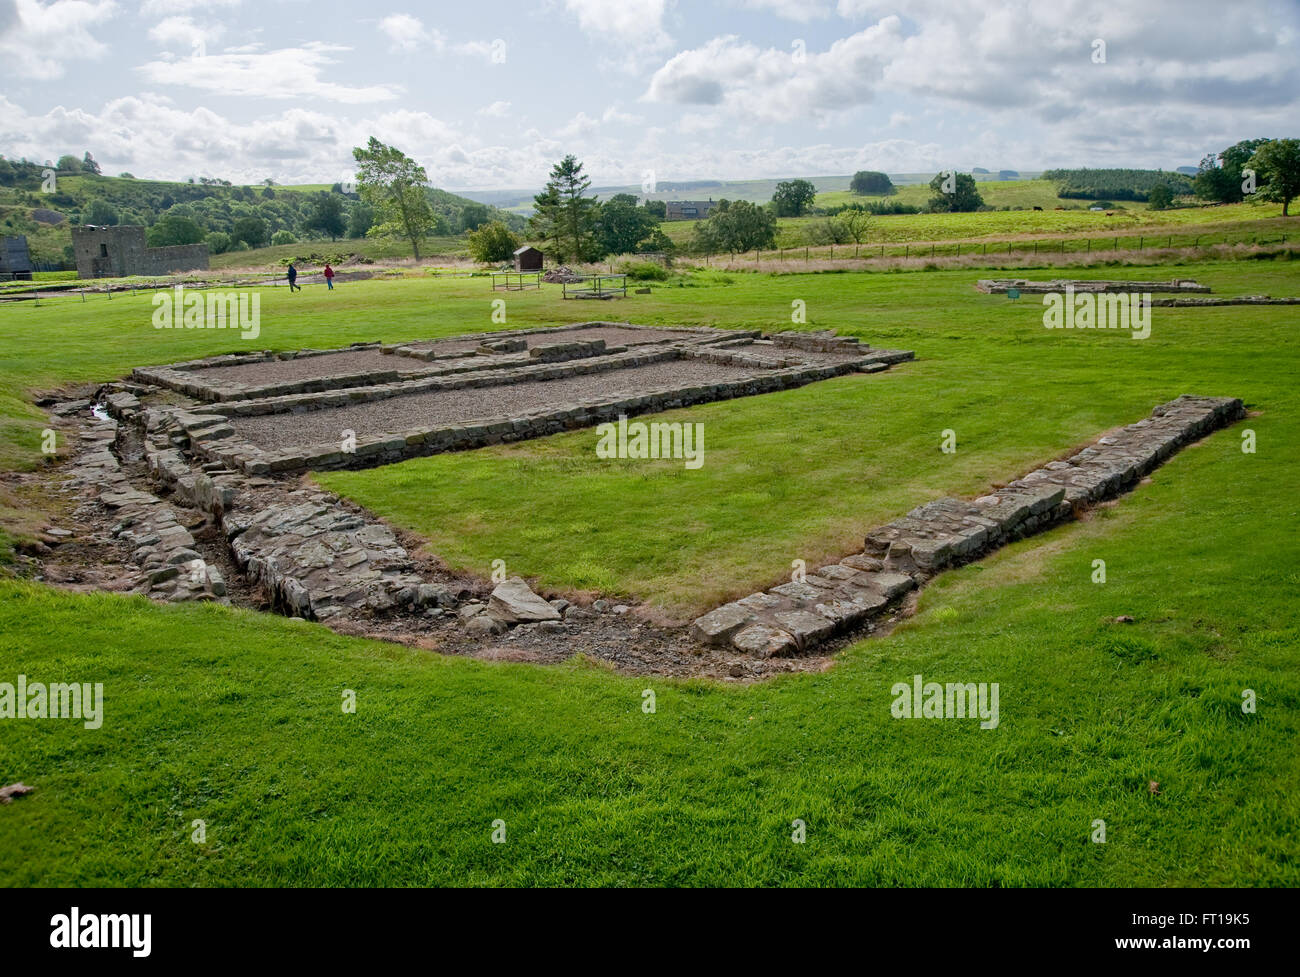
(283, 237)
(644, 271)
(492, 242)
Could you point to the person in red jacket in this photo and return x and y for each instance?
(329, 277)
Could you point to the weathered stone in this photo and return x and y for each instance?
(483, 625)
(764, 642)
(514, 601)
(717, 626)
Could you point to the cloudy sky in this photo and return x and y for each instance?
(488, 95)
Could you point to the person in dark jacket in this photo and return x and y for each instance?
(293, 278)
(329, 277)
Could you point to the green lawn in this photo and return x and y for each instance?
(234, 718)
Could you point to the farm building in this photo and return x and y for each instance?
(15, 261)
(687, 210)
(528, 258)
(115, 252)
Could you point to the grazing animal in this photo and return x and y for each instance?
(1110, 213)
(1038, 208)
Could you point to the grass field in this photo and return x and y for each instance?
(234, 718)
(1003, 225)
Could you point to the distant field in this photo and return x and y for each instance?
(1003, 225)
(996, 193)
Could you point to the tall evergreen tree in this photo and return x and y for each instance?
(565, 214)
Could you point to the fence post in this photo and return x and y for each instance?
(1035, 247)
(1089, 248)
(907, 250)
(1140, 240)
(1116, 248)
(805, 253)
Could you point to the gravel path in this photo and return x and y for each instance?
(311, 367)
(397, 415)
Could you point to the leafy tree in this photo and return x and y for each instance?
(656, 209)
(360, 220)
(1277, 167)
(621, 225)
(68, 164)
(250, 230)
(492, 242)
(218, 242)
(657, 241)
(283, 236)
(871, 182)
(965, 196)
(743, 226)
(102, 214)
(1219, 178)
(326, 215)
(1159, 197)
(89, 165)
(473, 216)
(793, 197)
(393, 184)
(126, 176)
(173, 229)
(854, 223)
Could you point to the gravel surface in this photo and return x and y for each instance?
(435, 409)
(312, 367)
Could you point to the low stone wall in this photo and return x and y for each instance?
(791, 618)
(999, 286)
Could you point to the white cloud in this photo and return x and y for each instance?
(163, 8)
(1021, 55)
(286, 73)
(406, 33)
(498, 110)
(183, 32)
(36, 39)
(800, 10)
(632, 24)
(775, 85)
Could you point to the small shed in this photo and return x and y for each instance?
(528, 259)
